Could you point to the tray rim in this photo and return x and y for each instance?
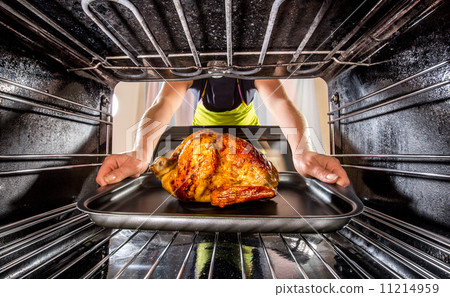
(346, 194)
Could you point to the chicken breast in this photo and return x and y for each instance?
(217, 168)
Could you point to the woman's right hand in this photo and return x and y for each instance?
(117, 167)
(325, 168)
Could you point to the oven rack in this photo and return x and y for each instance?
(63, 243)
(352, 108)
(407, 79)
(300, 63)
(100, 117)
(59, 109)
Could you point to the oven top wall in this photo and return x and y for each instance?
(179, 40)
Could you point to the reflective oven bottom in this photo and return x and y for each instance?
(64, 243)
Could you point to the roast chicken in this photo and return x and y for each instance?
(217, 168)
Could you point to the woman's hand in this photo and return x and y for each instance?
(325, 168)
(116, 168)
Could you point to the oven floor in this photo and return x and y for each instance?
(64, 243)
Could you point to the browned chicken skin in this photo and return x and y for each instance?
(218, 168)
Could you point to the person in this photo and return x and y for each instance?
(222, 101)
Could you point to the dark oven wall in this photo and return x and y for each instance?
(50, 148)
(411, 117)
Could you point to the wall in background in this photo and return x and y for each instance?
(130, 105)
(321, 89)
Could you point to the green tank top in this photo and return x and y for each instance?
(243, 115)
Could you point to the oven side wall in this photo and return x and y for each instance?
(27, 129)
(417, 124)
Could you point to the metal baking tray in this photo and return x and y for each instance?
(301, 205)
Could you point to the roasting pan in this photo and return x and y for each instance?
(301, 205)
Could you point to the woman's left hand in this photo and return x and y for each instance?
(325, 168)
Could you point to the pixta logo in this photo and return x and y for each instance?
(145, 135)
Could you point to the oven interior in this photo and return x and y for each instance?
(386, 64)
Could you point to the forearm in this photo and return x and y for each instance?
(287, 116)
(293, 125)
(306, 162)
(155, 120)
(151, 126)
